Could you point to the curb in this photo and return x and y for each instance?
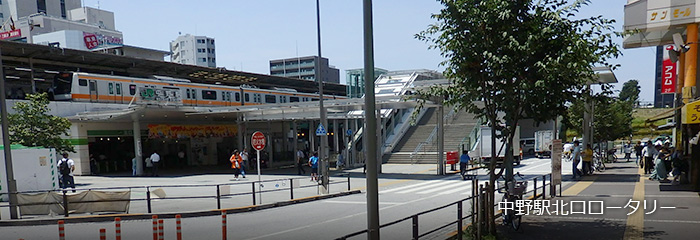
(147, 216)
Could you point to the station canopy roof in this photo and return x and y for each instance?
(18, 58)
(336, 109)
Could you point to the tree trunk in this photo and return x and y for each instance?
(491, 220)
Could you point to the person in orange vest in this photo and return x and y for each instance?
(236, 163)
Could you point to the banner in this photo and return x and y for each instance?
(96, 41)
(668, 75)
(190, 131)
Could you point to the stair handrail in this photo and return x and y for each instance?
(431, 137)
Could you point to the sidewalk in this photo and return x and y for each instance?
(621, 188)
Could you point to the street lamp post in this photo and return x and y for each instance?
(324, 163)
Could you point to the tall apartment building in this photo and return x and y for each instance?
(355, 79)
(193, 50)
(304, 68)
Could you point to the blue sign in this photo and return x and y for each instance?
(320, 131)
(348, 132)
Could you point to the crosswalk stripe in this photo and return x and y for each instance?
(416, 189)
(447, 186)
(413, 185)
(459, 189)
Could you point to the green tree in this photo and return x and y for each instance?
(521, 58)
(32, 126)
(612, 117)
(630, 92)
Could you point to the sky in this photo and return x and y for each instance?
(250, 33)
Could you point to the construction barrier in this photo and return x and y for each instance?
(118, 228)
(223, 225)
(103, 234)
(178, 226)
(61, 230)
(161, 234)
(155, 227)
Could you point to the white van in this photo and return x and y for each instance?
(528, 145)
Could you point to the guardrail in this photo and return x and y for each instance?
(460, 218)
(216, 190)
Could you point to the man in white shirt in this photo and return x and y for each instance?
(649, 152)
(575, 159)
(66, 166)
(155, 159)
(300, 162)
(244, 156)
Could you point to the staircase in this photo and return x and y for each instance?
(456, 129)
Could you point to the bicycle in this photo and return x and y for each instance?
(598, 163)
(519, 187)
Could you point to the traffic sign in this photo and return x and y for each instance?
(348, 132)
(258, 141)
(320, 131)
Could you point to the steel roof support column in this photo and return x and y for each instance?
(137, 144)
(370, 123)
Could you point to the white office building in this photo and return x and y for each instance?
(193, 50)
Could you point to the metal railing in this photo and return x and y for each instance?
(216, 190)
(460, 218)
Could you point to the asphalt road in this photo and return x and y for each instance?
(404, 190)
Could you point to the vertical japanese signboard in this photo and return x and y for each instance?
(556, 161)
(668, 74)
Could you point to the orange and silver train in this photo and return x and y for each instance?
(89, 87)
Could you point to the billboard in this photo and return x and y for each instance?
(669, 73)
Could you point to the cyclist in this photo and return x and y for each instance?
(463, 161)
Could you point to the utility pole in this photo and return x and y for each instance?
(370, 126)
(325, 162)
(11, 183)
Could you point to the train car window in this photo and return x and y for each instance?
(119, 88)
(194, 94)
(238, 97)
(82, 82)
(188, 93)
(209, 94)
(92, 86)
(132, 89)
(258, 98)
(314, 99)
(111, 88)
(247, 97)
(293, 99)
(283, 99)
(270, 98)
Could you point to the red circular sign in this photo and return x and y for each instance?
(258, 141)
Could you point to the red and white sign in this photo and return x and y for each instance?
(90, 40)
(11, 34)
(668, 74)
(258, 141)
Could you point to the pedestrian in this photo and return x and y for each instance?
(659, 173)
(463, 161)
(300, 162)
(340, 161)
(244, 163)
(93, 165)
(155, 160)
(181, 158)
(313, 163)
(649, 152)
(679, 166)
(236, 161)
(638, 152)
(133, 166)
(587, 156)
(575, 158)
(628, 150)
(66, 167)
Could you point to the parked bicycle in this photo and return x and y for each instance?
(509, 216)
(598, 163)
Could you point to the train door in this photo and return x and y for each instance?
(118, 94)
(191, 97)
(93, 91)
(110, 91)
